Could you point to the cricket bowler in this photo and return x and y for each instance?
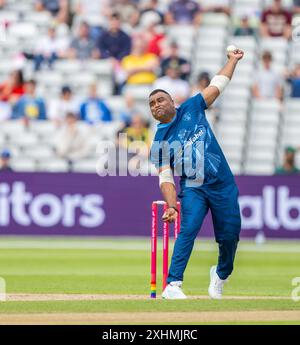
(185, 144)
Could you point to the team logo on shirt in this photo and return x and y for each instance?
(196, 136)
(182, 135)
(187, 116)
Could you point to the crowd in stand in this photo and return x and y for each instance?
(131, 33)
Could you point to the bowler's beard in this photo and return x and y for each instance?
(166, 117)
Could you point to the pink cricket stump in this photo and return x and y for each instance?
(153, 249)
(154, 234)
(177, 222)
(165, 250)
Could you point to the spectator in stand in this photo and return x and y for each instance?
(94, 110)
(171, 82)
(213, 112)
(293, 78)
(114, 42)
(5, 161)
(59, 108)
(202, 83)
(288, 166)
(137, 131)
(153, 32)
(2, 4)
(268, 83)
(29, 107)
(244, 29)
(151, 6)
(140, 67)
(173, 58)
(49, 49)
(128, 10)
(296, 8)
(71, 142)
(5, 111)
(94, 12)
(276, 21)
(13, 88)
(59, 9)
(139, 135)
(129, 109)
(82, 46)
(183, 12)
(218, 6)
(86, 8)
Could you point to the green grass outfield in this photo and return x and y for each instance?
(122, 267)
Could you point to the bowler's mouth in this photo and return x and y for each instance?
(159, 111)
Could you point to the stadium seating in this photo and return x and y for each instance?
(252, 133)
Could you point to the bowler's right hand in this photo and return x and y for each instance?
(169, 215)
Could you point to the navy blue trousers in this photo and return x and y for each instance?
(195, 203)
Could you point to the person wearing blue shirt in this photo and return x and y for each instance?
(185, 145)
(114, 42)
(94, 110)
(294, 79)
(29, 106)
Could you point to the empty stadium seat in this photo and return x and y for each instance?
(53, 165)
(259, 168)
(261, 153)
(41, 19)
(235, 167)
(43, 128)
(81, 79)
(116, 104)
(212, 32)
(285, 3)
(216, 19)
(26, 139)
(108, 130)
(40, 152)
(2, 140)
(237, 91)
(233, 116)
(292, 105)
(68, 66)
(247, 43)
(99, 67)
(5, 66)
(11, 128)
(23, 31)
(209, 67)
(50, 78)
(23, 164)
(87, 165)
(232, 152)
(268, 105)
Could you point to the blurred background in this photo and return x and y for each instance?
(75, 72)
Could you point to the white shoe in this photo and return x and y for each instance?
(216, 285)
(173, 291)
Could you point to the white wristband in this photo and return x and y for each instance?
(220, 82)
(166, 176)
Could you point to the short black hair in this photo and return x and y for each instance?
(115, 15)
(31, 81)
(66, 89)
(157, 91)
